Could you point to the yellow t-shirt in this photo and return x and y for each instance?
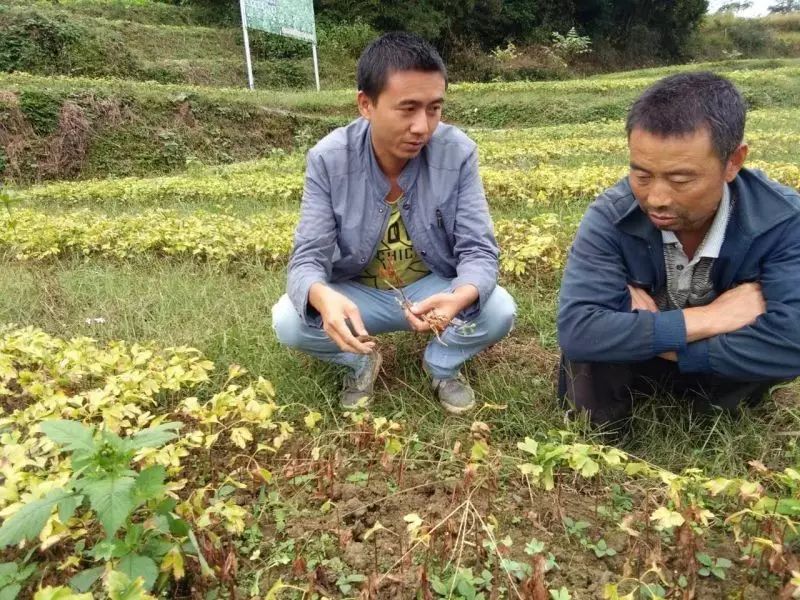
(395, 249)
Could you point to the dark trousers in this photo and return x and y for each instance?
(606, 391)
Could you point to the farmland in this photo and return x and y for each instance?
(155, 439)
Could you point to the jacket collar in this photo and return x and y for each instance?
(633, 220)
(380, 182)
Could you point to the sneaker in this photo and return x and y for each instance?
(455, 395)
(357, 390)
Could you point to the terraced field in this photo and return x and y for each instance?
(154, 438)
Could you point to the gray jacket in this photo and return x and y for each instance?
(344, 215)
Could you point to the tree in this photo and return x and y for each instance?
(641, 29)
(785, 6)
(734, 7)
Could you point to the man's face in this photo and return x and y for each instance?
(404, 116)
(678, 181)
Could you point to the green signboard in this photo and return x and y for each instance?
(292, 18)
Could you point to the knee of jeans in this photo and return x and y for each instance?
(502, 310)
(286, 323)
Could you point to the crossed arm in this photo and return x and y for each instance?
(729, 312)
(750, 332)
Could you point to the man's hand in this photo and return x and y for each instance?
(444, 307)
(336, 309)
(734, 309)
(641, 300)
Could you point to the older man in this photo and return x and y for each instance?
(395, 233)
(687, 272)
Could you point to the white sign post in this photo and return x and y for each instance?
(247, 58)
(316, 64)
(291, 18)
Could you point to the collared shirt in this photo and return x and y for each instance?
(681, 270)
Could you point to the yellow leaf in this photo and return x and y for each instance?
(312, 419)
(531, 469)
(173, 561)
(717, 486)
(377, 527)
(751, 490)
(272, 594)
(235, 371)
(479, 451)
(414, 521)
(666, 519)
(611, 592)
(625, 525)
(240, 436)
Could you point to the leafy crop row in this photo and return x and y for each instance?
(25, 234)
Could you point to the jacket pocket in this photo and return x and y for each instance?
(443, 223)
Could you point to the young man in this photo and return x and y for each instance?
(394, 200)
(687, 272)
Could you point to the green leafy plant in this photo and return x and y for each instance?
(103, 479)
(505, 55)
(7, 198)
(571, 45)
(534, 547)
(710, 566)
(12, 576)
(576, 528)
(346, 583)
(652, 591)
(464, 583)
(601, 549)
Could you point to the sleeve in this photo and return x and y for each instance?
(475, 245)
(314, 240)
(595, 323)
(770, 348)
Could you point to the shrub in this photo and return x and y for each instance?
(346, 40)
(37, 42)
(31, 39)
(41, 108)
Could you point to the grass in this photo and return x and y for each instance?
(151, 13)
(225, 312)
(210, 53)
(146, 129)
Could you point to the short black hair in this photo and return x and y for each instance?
(681, 104)
(392, 52)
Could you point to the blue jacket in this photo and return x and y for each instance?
(344, 214)
(617, 245)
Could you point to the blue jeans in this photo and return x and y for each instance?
(382, 313)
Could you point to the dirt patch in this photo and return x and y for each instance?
(517, 352)
(485, 528)
(15, 134)
(185, 115)
(65, 151)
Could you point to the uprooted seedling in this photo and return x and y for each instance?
(436, 321)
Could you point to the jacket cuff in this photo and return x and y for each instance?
(695, 358)
(669, 332)
(484, 291)
(308, 314)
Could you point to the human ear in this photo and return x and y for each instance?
(735, 162)
(364, 105)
